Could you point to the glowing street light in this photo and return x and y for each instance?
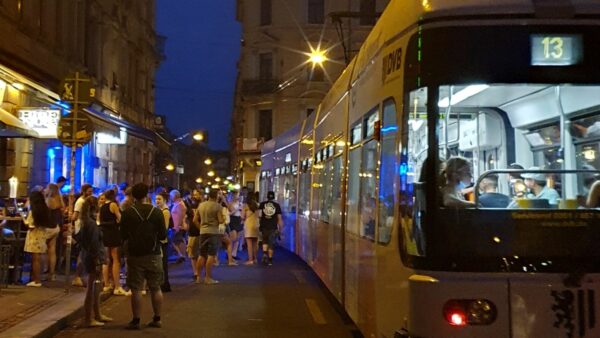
(226, 182)
(170, 167)
(210, 173)
(199, 136)
(208, 161)
(217, 179)
(317, 56)
(199, 180)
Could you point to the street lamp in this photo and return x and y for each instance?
(196, 135)
(317, 56)
(199, 180)
(217, 179)
(170, 167)
(210, 173)
(208, 161)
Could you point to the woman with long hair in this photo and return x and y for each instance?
(57, 207)
(110, 216)
(456, 176)
(236, 228)
(93, 258)
(250, 218)
(40, 230)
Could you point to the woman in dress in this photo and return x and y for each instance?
(57, 207)
(110, 216)
(92, 257)
(40, 230)
(251, 228)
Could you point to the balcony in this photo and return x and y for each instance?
(259, 87)
(249, 145)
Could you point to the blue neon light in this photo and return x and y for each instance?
(389, 129)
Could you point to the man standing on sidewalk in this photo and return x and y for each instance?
(271, 222)
(178, 212)
(142, 229)
(209, 215)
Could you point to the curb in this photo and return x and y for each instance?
(51, 321)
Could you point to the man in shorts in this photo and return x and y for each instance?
(271, 222)
(208, 216)
(193, 245)
(142, 229)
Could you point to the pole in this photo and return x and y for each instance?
(72, 181)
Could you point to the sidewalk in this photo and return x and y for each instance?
(38, 312)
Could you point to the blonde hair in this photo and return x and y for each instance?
(451, 172)
(53, 198)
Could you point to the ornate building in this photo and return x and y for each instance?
(114, 43)
(276, 86)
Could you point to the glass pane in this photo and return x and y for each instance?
(368, 183)
(336, 192)
(387, 173)
(354, 160)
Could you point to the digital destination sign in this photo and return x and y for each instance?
(556, 50)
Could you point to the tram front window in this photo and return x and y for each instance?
(472, 210)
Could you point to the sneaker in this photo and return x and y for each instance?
(104, 319)
(249, 263)
(210, 281)
(121, 292)
(216, 263)
(107, 289)
(232, 263)
(133, 326)
(77, 281)
(155, 324)
(94, 323)
(34, 284)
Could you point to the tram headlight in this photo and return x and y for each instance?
(461, 312)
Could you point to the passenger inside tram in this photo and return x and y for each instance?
(517, 186)
(457, 176)
(489, 196)
(593, 200)
(538, 189)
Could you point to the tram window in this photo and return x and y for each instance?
(316, 189)
(304, 192)
(387, 170)
(368, 183)
(336, 192)
(325, 191)
(413, 181)
(354, 160)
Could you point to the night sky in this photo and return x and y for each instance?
(195, 84)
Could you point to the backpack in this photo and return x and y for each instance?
(144, 242)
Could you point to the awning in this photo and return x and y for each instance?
(108, 115)
(103, 126)
(11, 126)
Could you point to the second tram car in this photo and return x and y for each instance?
(513, 88)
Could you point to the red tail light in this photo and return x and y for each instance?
(461, 312)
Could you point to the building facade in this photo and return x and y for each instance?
(277, 87)
(114, 43)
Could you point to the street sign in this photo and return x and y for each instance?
(81, 136)
(70, 93)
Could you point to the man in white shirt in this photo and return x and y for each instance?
(86, 191)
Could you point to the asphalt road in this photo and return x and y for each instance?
(283, 300)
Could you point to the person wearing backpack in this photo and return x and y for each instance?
(142, 228)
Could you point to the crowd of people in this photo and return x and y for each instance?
(132, 232)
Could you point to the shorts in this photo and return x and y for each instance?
(111, 236)
(209, 244)
(235, 223)
(179, 237)
(269, 237)
(148, 268)
(193, 246)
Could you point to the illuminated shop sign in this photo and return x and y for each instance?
(42, 120)
(104, 138)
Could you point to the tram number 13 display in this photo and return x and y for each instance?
(556, 50)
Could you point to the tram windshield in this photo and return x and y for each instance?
(514, 172)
